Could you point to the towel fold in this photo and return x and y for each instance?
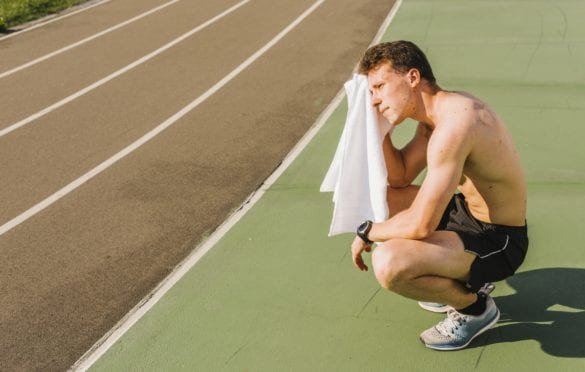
(358, 176)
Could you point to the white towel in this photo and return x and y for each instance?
(358, 176)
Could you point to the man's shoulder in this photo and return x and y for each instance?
(461, 103)
(455, 124)
(461, 110)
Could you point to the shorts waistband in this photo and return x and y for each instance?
(487, 225)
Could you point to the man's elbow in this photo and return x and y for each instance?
(425, 228)
(398, 183)
(422, 232)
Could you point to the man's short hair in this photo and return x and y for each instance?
(402, 56)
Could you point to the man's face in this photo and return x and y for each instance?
(391, 93)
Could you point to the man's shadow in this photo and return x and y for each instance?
(548, 306)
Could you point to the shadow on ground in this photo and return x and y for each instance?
(549, 307)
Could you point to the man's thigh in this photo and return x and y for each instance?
(441, 254)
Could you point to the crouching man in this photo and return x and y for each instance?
(440, 247)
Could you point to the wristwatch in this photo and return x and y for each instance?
(363, 230)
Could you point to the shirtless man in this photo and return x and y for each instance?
(438, 247)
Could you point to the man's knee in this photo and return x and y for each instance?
(392, 265)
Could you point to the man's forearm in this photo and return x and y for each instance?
(404, 225)
(394, 164)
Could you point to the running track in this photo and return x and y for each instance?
(130, 131)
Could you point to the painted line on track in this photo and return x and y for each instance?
(86, 40)
(110, 338)
(115, 74)
(83, 9)
(157, 130)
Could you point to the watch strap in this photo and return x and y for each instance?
(363, 230)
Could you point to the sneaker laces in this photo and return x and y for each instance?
(452, 323)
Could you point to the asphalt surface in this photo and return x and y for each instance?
(70, 272)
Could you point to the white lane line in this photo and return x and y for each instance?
(104, 344)
(154, 132)
(115, 74)
(83, 9)
(386, 23)
(87, 39)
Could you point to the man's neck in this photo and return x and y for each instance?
(425, 111)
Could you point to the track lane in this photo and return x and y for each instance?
(34, 89)
(117, 73)
(24, 47)
(85, 40)
(80, 181)
(67, 143)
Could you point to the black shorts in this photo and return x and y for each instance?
(499, 249)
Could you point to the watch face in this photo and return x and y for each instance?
(363, 231)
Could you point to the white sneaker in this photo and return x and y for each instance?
(458, 330)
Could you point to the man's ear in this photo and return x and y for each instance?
(413, 76)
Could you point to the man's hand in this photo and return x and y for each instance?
(357, 247)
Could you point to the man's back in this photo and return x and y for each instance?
(493, 181)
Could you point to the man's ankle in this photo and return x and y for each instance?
(476, 308)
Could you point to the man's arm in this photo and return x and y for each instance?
(405, 165)
(447, 151)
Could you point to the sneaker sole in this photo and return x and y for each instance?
(434, 309)
(450, 348)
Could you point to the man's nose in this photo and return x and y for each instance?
(375, 100)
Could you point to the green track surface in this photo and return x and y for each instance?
(277, 294)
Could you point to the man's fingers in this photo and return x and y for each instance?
(359, 263)
(363, 267)
(357, 248)
(356, 260)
